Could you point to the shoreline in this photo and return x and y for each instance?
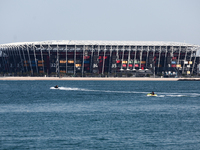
(96, 78)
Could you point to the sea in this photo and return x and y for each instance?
(89, 115)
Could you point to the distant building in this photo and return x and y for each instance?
(99, 58)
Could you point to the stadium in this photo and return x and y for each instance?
(99, 58)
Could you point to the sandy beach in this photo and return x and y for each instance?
(92, 78)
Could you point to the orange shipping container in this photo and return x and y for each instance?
(63, 61)
(62, 71)
(78, 65)
(40, 61)
(40, 65)
(70, 61)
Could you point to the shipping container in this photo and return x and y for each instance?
(124, 65)
(70, 71)
(41, 71)
(105, 57)
(86, 62)
(188, 72)
(62, 71)
(78, 65)
(63, 61)
(143, 62)
(86, 65)
(124, 62)
(190, 62)
(40, 61)
(130, 62)
(136, 65)
(173, 62)
(86, 57)
(40, 65)
(118, 61)
(185, 62)
(130, 65)
(70, 61)
(173, 65)
(174, 58)
(102, 57)
(178, 65)
(136, 62)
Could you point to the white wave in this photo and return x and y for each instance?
(176, 95)
(160, 94)
(70, 89)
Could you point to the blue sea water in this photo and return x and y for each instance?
(99, 115)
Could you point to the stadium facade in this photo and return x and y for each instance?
(99, 58)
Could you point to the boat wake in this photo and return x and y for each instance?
(159, 94)
(70, 89)
(178, 95)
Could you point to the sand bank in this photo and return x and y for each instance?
(88, 78)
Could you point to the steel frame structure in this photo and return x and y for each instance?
(100, 57)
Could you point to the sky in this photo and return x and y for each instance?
(108, 20)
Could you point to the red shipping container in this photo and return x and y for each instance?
(173, 58)
(124, 65)
(86, 57)
(136, 65)
(130, 65)
(86, 65)
(173, 65)
(118, 61)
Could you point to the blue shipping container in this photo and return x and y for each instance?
(86, 62)
(173, 62)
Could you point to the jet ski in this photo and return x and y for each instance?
(150, 94)
(56, 86)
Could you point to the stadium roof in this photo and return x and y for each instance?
(90, 42)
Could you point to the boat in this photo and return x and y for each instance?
(150, 94)
(56, 86)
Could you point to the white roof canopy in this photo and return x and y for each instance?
(90, 42)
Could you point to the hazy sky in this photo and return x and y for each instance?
(124, 20)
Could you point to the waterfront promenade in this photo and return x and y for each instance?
(93, 78)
